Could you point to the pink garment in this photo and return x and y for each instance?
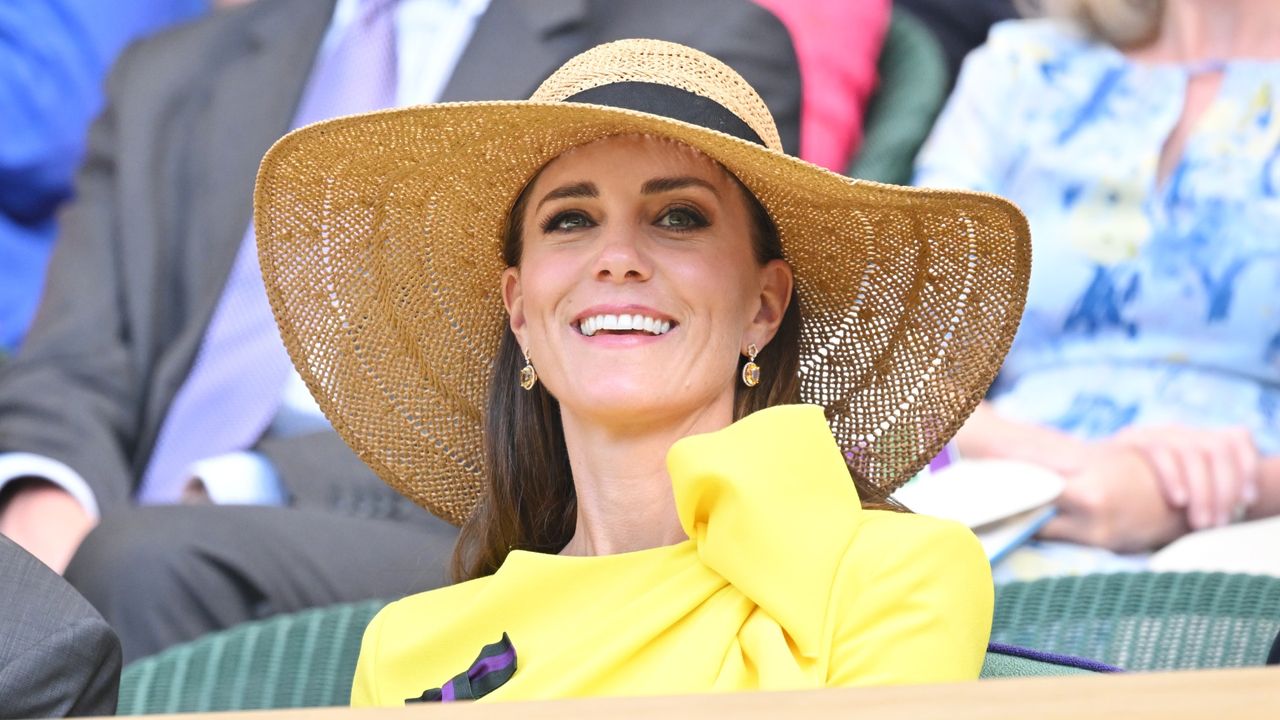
(837, 43)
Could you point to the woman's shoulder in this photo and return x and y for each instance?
(899, 534)
(419, 642)
(1042, 52)
(440, 602)
(911, 602)
(901, 554)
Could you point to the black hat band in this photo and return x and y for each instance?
(669, 102)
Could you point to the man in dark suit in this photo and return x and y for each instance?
(148, 256)
(58, 657)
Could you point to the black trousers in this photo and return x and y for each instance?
(164, 575)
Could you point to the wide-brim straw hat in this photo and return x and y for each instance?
(380, 242)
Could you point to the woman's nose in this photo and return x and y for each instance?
(622, 255)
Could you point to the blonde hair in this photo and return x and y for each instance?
(1123, 23)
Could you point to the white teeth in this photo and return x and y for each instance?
(591, 325)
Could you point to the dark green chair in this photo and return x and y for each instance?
(303, 659)
(914, 83)
(1144, 621)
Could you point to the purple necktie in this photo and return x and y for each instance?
(236, 381)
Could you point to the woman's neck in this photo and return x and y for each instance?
(625, 498)
(1197, 31)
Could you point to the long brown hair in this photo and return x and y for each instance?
(530, 502)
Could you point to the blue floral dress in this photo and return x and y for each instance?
(1150, 303)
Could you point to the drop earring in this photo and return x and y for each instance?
(528, 376)
(751, 371)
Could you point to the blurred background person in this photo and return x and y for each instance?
(837, 44)
(1142, 140)
(54, 55)
(959, 25)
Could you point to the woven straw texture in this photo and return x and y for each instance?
(305, 659)
(1144, 621)
(379, 241)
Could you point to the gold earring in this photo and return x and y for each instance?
(751, 371)
(528, 376)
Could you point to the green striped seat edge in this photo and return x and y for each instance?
(1144, 621)
(303, 659)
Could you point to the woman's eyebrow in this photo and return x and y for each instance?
(667, 184)
(573, 190)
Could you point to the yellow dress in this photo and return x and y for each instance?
(785, 583)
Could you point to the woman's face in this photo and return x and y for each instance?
(638, 287)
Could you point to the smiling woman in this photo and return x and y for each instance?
(584, 328)
(639, 264)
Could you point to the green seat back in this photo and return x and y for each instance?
(913, 86)
(304, 659)
(1144, 621)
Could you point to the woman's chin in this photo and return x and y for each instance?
(612, 398)
(638, 401)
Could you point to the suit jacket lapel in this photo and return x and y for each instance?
(516, 45)
(253, 88)
(252, 104)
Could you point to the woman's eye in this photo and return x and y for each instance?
(681, 219)
(566, 221)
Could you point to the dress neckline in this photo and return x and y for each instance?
(647, 554)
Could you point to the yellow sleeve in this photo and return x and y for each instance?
(364, 689)
(912, 603)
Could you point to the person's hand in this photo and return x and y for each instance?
(1115, 502)
(45, 520)
(1210, 473)
(988, 434)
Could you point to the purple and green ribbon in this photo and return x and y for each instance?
(494, 666)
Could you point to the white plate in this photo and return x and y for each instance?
(979, 492)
